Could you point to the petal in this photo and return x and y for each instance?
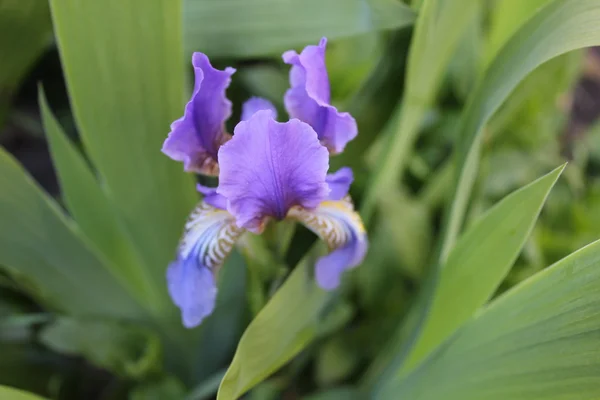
(255, 104)
(268, 167)
(196, 137)
(209, 236)
(341, 228)
(211, 197)
(339, 183)
(308, 99)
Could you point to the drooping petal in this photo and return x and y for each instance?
(254, 104)
(196, 137)
(209, 236)
(268, 167)
(308, 99)
(339, 183)
(341, 228)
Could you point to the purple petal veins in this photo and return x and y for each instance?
(209, 236)
(196, 137)
(268, 167)
(309, 98)
(341, 228)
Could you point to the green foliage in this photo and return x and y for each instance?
(7, 393)
(250, 28)
(546, 349)
(457, 114)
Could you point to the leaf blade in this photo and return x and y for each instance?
(249, 28)
(537, 341)
(126, 85)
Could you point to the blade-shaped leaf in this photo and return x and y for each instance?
(479, 263)
(283, 328)
(94, 214)
(537, 341)
(247, 28)
(40, 244)
(8, 393)
(560, 27)
(124, 70)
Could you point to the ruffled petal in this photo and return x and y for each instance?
(268, 167)
(254, 104)
(341, 228)
(209, 237)
(339, 183)
(308, 99)
(196, 137)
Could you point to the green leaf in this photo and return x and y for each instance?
(479, 263)
(25, 31)
(8, 393)
(126, 86)
(506, 17)
(94, 214)
(439, 27)
(560, 27)
(537, 341)
(249, 28)
(283, 328)
(39, 245)
(126, 350)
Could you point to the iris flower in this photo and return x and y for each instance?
(268, 170)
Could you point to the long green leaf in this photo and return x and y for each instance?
(562, 26)
(438, 29)
(94, 214)
(39, 244)
(506, 17)
(283, 328)
(124, 70)
(8, 393)
(248, 28)
(479, 263)
(538, 341)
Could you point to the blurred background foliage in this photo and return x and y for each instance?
(50, 346)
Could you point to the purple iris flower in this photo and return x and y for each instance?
(268, 171)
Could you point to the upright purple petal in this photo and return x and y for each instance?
(309, 98)
(196, 137)
(341, 228)
(268, 167)
(208, 238)
(339, 183)
(254, 104)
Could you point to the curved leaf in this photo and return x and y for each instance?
(539, 341)
(94, 214)
(283, 328)
(38, 243)
(126, 86)
(479, 263)
(560, 27)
